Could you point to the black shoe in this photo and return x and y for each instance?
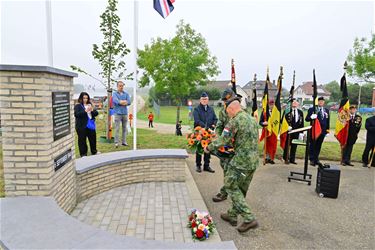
(344, 164)
(271, 162)
(312, 163)
(349, 164)
(198, 169)
(293, 162)
(125, 144)
(226, 217)
(208, 169)
(219, 197)
(365, 165)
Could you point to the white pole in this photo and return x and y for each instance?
(49, 33)
(136, 74)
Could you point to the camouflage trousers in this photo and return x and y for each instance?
(236, 184)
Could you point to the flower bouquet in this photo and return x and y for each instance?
(199, 139)
(201, 225)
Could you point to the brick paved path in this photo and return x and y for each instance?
(154, 211)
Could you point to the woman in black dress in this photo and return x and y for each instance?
(85, 114)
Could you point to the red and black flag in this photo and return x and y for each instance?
(316, 127)
(265, 107)
(233, 78)
(254, 108)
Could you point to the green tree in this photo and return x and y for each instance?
(334, 88)
(177, 65)
(361, 60)
(366, 93)
(109, 54)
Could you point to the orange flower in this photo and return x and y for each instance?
(204, 133)
(222, 149)
(204, 143)
(198, 128)
(199, 137)
(191, 142)
(192, 136)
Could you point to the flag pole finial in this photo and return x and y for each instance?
(255, 78)
(294, 77)
(345, 66)
(232, 61)
(281, 71)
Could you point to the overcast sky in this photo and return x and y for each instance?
(299, 35)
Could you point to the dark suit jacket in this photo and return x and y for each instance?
(204, 118)
(290, 117)
(323, 119)
(370, 127)
(354, 128)
(81, 116)
(261, 120)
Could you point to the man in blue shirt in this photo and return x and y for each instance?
(121, 101)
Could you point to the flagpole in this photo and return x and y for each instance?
(136, 74)
(265, 119)
(342, 147)
(49, 33)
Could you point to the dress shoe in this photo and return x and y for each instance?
(348, 164)
(208, 169)
(219, 197)
(198, 169)
(364, 165)
(312, 163)
(293, 162)
(271, 162)
(344, 164)
(245, 226)
(125, 144)
(229, 219)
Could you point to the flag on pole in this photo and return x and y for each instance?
(254, 108)
(284, 122)
(274, 121)
(265, 107)
(233, 78)
(342, 125)
(164, 7)
(316, 127)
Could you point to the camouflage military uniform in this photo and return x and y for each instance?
(242, 131)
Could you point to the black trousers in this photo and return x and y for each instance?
(315, 147)
(198, 160)
(369, 147)
(150, 124)
(347, 153)
(82, 145)
(293, 147)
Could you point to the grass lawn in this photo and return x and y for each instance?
(148, 139)
(168, 115)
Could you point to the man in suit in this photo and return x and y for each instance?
(370, 140)
(322, 115)
(295, 121)
(355, 123)
(205, 117)
(264, 123)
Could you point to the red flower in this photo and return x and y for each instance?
(193, 224)
(199, 234)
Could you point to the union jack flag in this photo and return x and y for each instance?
(164, 7)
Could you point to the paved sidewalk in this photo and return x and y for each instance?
(154, 211)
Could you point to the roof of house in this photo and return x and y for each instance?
(307, 88)
(259, 85)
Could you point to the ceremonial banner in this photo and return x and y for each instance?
(342, 124)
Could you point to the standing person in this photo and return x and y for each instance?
(150, 120)
(264, 123)
(295, 121)
(221, 123)
(323, 117)
(370, 140)
(85, 114)
(355, 124)
(242, 131)
(179, 128)
(121, 101)
(130, 119)
(205, 117)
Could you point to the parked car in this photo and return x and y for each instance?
(306, 106)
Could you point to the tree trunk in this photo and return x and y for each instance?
(109, 121)
(178, 112)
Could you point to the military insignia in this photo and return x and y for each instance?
(343, 116)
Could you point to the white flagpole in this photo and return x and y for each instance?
(49, 33)
(136, 74)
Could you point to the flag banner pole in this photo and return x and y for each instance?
(136, 74)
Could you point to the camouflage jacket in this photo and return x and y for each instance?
(242, 132)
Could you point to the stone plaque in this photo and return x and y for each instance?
(62, 159)
(60, 114)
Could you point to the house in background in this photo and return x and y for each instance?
(223, 84)
(272, 89)
(304, 92)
